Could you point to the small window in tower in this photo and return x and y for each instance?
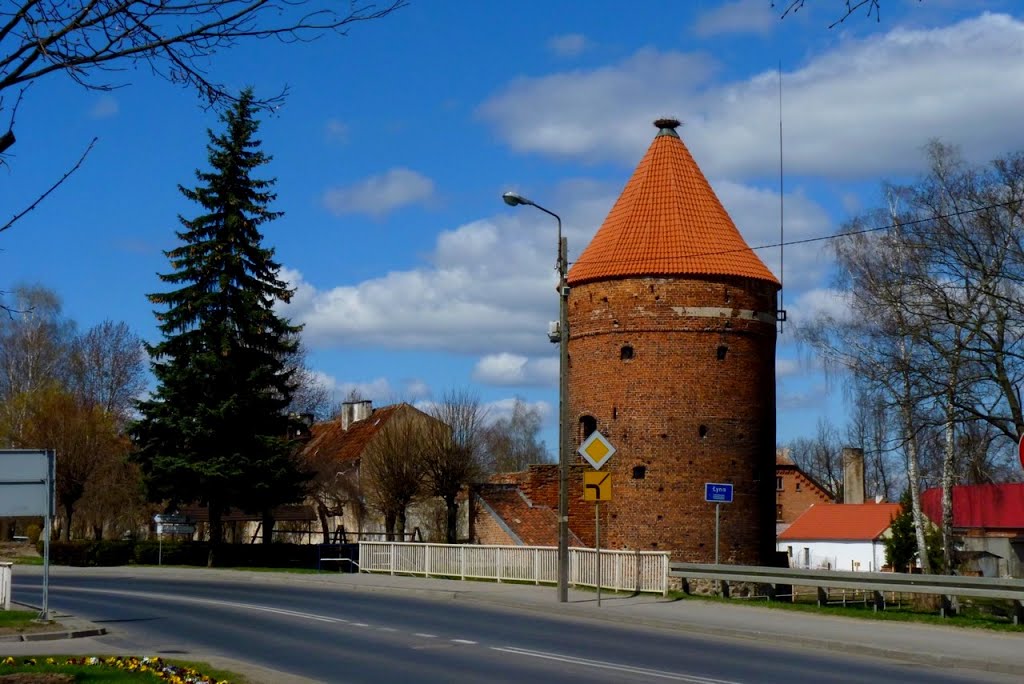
(723, 349)
(615, 412)
(702, 431)
(626, 353)
(587, 426)
(639, 472)
(778, 483)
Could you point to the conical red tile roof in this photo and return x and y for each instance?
(667, 222)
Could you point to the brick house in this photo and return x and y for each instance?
(795, 491)
(521, 509)
(334, 452)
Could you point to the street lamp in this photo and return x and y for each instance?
(514, 199)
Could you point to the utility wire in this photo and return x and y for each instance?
(822, 238)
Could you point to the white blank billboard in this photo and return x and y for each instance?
(26, 480)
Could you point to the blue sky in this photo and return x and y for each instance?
(395, 143)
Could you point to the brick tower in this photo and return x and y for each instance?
(672, 321)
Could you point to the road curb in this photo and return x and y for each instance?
(71, 628)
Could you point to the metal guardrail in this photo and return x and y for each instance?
(874, 582)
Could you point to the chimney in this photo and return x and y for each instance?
(354, 411)
(853, 475)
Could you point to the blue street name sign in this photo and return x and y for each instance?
(716, 492)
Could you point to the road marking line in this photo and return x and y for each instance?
(360, 624)
(661, 674)
(216, 602)
(463, 641)
(387, 629)
(425, 636)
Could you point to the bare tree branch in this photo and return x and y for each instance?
(53, 187)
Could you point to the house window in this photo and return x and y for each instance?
(798, 486)
(778, 483)
(778, 512)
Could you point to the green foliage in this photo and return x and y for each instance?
(32, 532)
(216, 428)
(901, 548)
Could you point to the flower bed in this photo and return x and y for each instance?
(154, 668)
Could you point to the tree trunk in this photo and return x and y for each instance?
(400, 525)
(321, 512)
(97, 532)
(268, 526)
(389, 526)
(216, 531)
(452, 519)
(913, 471)
(947, 485)
(65, 533)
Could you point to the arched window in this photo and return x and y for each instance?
(587, 426)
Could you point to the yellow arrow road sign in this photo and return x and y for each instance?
(597, 486)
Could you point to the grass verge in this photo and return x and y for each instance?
(21, 621)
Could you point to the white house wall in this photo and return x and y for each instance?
(835, 555)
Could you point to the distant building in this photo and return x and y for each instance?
(988, 525)
(335, 450)
(795, 491)
(839, 537)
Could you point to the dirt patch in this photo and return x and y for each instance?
(36, 678)
(10, 551)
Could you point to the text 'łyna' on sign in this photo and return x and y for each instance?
(718, 492)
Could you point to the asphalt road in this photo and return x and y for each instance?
(334, 635)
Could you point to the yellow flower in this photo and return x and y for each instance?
(8, 660)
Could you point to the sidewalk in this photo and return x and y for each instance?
(900, 641)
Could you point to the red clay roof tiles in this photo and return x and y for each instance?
(669, 222)
(842, 522)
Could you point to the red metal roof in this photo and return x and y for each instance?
(668, 222)
(988, 506)
(842, 522)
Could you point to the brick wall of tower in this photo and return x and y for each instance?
(694, 404)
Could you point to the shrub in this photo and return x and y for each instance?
(32, 532)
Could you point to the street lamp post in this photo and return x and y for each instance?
(514, 199)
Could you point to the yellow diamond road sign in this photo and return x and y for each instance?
(596, 449)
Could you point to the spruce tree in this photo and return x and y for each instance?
(216, 429)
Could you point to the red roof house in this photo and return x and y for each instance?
(988, 522)
(840, 536)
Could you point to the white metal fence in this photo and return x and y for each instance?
(5, 586)
(641, 571)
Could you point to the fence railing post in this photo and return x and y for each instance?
(426, 560)
(5, 585)
(498, 563)
(391, 556)
(462, 562)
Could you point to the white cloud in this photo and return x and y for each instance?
(786, 367)
(819, 302)
(863, 108)
(104, 108)
(381, 194)
(740, 16)
(337, 130)
(502, 408)
(516, 370)
(568, 45)
(755, 211)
